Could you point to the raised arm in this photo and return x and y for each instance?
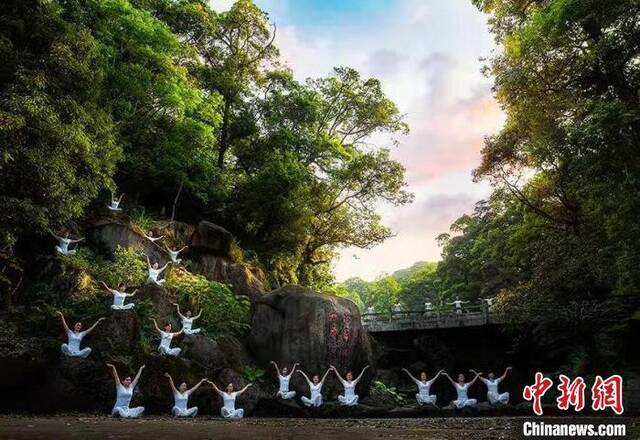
(198, 315)
(293, 369)
(155, 323)
(410, 375)
(173, 386)
(178, 309)
(196, 386)
(217, 390)
(183, 248)
(449, 377)
(179, 332)
(275, 366)
(306, 377)
(77, 240)
(472, 371)
(132, 293)
(137, 378)
(148, 262)
(57, 237)
(475, 378)
(107, 288)
(335, 370)
(361, 374)
(244, 389)
(506, 371)
(436, 376)
(164, 267)
(114, 373)
(120, 198)
(326, 373)
(95, 324)
(64, 323)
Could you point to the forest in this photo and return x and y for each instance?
(193, 115)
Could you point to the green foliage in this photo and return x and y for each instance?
(253, 374)
(222, 311)
(141, 221)
(385, 395)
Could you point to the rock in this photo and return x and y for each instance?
(163, 309)
(118, 334)
(247, 400)
(204, 351)
(235, 353)
(295, 324)
(240, 278)
(209, 238)
(109, 234)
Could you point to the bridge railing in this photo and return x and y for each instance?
(472, 315)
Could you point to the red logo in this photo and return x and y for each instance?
(571, 393)
(536, 391)
(607, 394)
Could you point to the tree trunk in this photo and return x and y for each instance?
(223, 144)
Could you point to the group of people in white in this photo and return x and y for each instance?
(400, 311)
(125, 387)
(423, 396)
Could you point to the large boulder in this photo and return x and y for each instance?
(209, 238)
(109, 234)
(238, 276)
(296, 324)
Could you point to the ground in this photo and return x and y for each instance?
(157, 428)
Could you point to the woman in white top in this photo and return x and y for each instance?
(187, 321)
(151, 237)
(154, 273)
(424, 386)
(119, 296)
(181, 398)
(350, 398)
(315, 387)
(461, 388)
(165, 340)
(115, 203)
(493, 395)
(284, 379)
(173, 255)
(228, 410)
(458, 304)
(64, 243)
(74, 338)
(124, 393)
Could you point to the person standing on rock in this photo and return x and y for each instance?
(350, 398)
(154, 273)
(228, 410)
(119, 296)
(461, 388)
(181, 398)
(114, 206)
(64, 243)
(424, 386)
(315, 387)
(284, 379)
(493, 395)
(124, 393)
(74, 338)
(165, 340)
(187, 321)
(173, 255)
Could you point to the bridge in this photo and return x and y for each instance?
(471, 316)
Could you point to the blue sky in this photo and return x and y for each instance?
(426, 54)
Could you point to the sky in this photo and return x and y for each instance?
(426, 54)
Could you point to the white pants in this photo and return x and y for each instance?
(169, 351)
(126, 412)
(84, 353)
(66, 253)
(231, 413)
(353, 401)
(465, 402)
(494, 398)
(316, 401)
(422, 400)
(114, 209)
(193, 331)
(190, 412)
(124, 307)
(156, 282)
(286, 395)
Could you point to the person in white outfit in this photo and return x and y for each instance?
(228, 410)
(350, 398)
(493, 395)
(154, 273)
(315, 388)
(187, 321)
(74, 338)
(64, 243)
(114, 206)
(488, 303)
(461, 388)
(153, 238)
(119, 296)
(284, 377)
(181, 398)
(124, 393)
(165, 340)
(173, 255)
(458, 305)
(424, 386)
